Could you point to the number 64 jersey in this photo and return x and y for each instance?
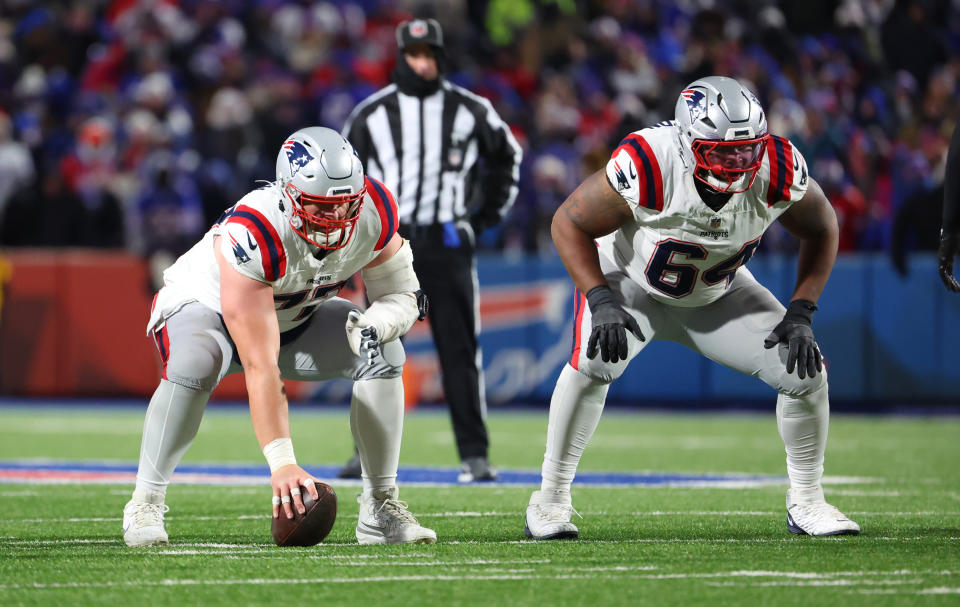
(678, 249)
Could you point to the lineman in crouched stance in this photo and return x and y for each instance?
(258, 293)
(679, 210)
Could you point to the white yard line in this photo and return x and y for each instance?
(789, 578)
(525, 542)
(494, 513)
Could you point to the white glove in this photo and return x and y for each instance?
(363, 336)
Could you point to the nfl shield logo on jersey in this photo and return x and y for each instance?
(297, 156)
(696, 103)
(715, 223)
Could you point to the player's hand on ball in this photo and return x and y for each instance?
(795, 331)
(610, 323)
(289, 482)
(949, 248)
(363, 336)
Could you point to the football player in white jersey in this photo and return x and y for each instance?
(258, 294)
(655, 245)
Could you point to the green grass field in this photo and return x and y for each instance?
(898, 477)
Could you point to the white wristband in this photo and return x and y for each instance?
(279, 453)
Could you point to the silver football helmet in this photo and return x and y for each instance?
(316, 166)
(725, 127)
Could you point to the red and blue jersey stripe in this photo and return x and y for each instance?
(386, 208)
(648, 170)
(272, 254)
(780, 154)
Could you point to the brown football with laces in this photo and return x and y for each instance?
(311, 527)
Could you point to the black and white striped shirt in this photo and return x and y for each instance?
(425, 150)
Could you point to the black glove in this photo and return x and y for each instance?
(610, 322)
(483, 220)
(795, 331)
(423, 305)
(949, 248)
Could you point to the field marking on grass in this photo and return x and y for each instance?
(879, 493)
(812, 578)
(46, 471)
(491, 514)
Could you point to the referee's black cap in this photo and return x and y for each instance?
(427, 31)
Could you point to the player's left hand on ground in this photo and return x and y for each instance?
(610, 324)
(363, 337)
(289, 482)
(949, 248)
(795, 331)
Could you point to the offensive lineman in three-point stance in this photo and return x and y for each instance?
(679, 210)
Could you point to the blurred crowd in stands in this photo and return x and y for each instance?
(134, 123)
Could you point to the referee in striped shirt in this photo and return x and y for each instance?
(423, 137)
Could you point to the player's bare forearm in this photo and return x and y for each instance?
(813, 221)
(593, 210)
(250, 317)
(268, 405)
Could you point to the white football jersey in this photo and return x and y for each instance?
(257, 239)
(678, 249)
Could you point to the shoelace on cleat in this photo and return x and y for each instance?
(555, 512)
(821, 510)
(150, 515)
(397, 510)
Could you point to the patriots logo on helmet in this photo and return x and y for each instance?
(297, 156)
(696, 103)
(622, 182)
(238, 251)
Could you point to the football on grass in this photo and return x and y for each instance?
(309, 528)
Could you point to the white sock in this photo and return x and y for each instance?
(575, 409)
(803, 422)
(376, 421)
(173, 418)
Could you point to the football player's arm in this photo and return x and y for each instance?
(250, 317)
(593, 210)
(393, 289)
(814, 223)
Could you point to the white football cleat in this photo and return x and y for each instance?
(809, 514)
(143, 521)
(386, 520)
(548, 516)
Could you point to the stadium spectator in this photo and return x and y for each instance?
(867, 86)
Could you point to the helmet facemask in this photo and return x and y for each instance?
(324, 230)
(729, 167)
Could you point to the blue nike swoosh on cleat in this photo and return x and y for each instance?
(793, 527)
(250, 242)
